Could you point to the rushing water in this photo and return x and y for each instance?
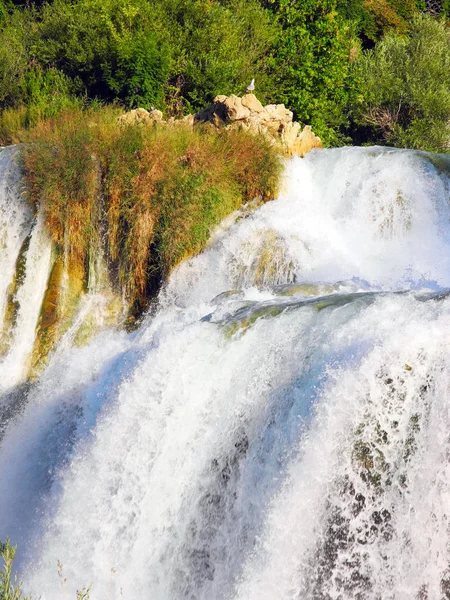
(15, 220)
(278, 428)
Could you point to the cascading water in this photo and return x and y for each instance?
(28, 297)
(278, 428)
(15, 221)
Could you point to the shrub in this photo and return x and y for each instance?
(218, 48)
(13, 58)
(110, 47)
(141, 52)
(374, 18)
(311, 64)
(406, 88)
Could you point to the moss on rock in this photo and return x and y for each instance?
(12, 303)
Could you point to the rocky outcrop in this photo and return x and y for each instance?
(274, 121)
(140, 116)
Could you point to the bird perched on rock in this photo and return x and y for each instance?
(251, 87)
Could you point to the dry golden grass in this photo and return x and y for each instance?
(157, 191)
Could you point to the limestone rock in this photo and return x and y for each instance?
(278, 112)
(274, 122)
(289, 133)
(274, 126)
(251, 102)
(140, 116)
(305, 142)
(155, 115)
(235, 110)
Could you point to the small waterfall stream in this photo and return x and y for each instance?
(15, 221)
(278, 426)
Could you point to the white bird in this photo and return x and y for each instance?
(251, 87)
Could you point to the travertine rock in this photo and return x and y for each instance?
(140, 116)
(274, 121)
(252, 103)
(304, 142)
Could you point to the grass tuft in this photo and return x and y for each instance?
(10, 587)
(155, 191)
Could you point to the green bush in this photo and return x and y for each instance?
(218, 48)
(110, 48)
(14, 57)
(374, 18)
(311, 64)
(3, 12)
(405, 89)
(140, 52)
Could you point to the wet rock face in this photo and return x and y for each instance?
(274, 121)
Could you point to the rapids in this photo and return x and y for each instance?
(278, 426)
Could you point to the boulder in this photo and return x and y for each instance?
(278, 112)
(251, 102)
(305, 142)
(155, 115)
(274, 121)
(140, 116)
(289, 133)
(235, 110)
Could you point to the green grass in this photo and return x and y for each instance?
(155, 191)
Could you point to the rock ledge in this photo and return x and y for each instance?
(274, 121)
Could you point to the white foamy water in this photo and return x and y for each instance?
(15, 220)
(277, 429)
(29, 296)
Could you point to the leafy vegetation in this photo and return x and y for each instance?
(156, 191)
(312, 64)
(320, 57)
(406, 89)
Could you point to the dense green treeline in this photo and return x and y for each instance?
(331, 61)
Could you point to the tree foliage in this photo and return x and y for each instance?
(110, 48)
(374, 18)
(315, 56)
(312, 63)
(140, 52)
(406, 88)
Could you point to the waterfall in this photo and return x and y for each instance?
(28, 298)
(276, 428)
(15, 220)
